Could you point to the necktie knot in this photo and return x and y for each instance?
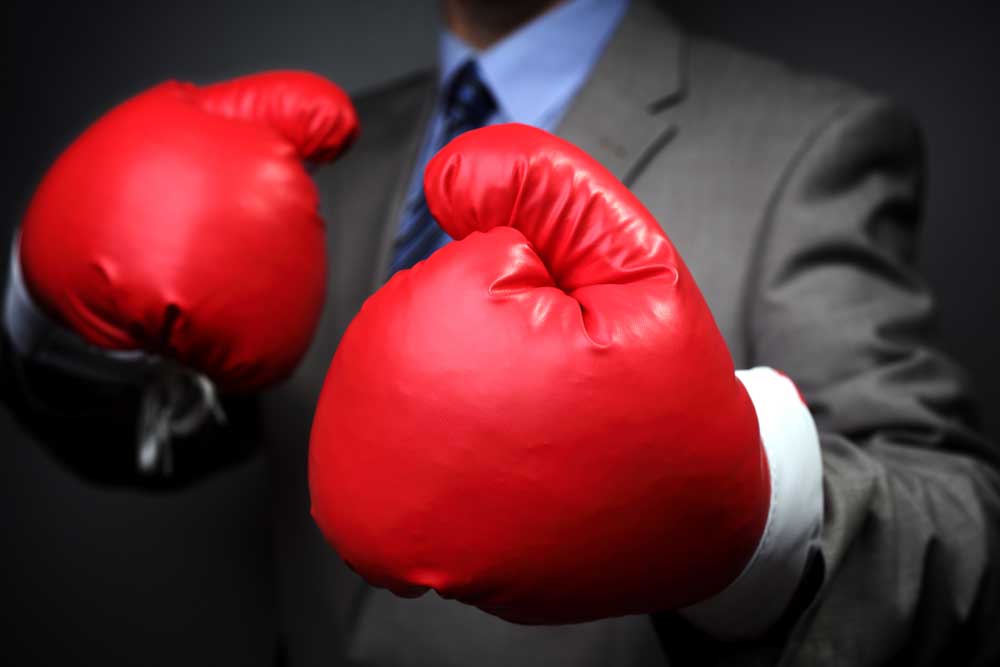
(468, 104)
(468, 101)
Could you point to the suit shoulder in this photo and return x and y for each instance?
(391, 102)
(398, 87)
(764, 89)
(387, 114)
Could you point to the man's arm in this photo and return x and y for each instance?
(135, 299)
(911, 535)
(912, 493)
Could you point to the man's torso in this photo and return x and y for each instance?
(703, 134)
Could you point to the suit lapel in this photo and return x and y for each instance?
(410, 141)
(621, 116)
(361, 197)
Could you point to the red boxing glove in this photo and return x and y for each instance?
(542, 419)
(183, 223)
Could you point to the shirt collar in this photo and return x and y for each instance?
(542, 64)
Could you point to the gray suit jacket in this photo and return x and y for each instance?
(795, 201)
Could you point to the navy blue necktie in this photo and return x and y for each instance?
(468, 105)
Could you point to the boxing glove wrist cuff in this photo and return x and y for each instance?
(758, 596)
(175, 401)
(38, 338)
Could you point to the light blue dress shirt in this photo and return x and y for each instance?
(533, 73)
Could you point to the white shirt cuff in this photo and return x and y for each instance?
(758, 596)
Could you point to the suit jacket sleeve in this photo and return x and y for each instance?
(911, 538)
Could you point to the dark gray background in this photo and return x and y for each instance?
(94, 574)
